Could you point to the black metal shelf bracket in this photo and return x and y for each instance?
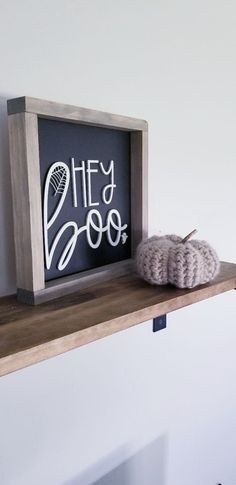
(159, 323)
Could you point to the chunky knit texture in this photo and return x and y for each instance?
(162, 260)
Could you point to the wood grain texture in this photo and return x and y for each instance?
(27, 208)
(31, 334)
(69, 284)
(139, 187)
(50, 109)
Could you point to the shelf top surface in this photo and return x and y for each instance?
(30, 334)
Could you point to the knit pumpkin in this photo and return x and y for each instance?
(170, 259)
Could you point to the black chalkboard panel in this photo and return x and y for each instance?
(85, 183)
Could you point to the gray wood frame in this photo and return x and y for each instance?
(23, 116)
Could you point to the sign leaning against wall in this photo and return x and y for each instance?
(79, 182)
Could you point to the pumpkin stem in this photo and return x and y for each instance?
(186, 238)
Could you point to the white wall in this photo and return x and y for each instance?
(167, 400)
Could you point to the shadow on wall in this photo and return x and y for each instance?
(7, 260)
(146, 467)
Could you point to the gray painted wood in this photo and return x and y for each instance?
(139, 187)
(66, 112)
(27, 207)
(70, 284)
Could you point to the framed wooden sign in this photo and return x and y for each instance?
(79, 181)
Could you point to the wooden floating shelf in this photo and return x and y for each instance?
(30, 334)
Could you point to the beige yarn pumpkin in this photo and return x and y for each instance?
(170, 259)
